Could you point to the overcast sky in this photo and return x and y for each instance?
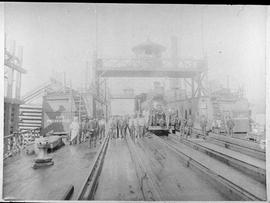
(62, 37)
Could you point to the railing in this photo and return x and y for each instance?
(17, 141)
(87, 192)
(167, 63)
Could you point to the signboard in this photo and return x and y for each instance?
(56, 115)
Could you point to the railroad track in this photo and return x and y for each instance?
(148, 185)
(251, 166)
(237, 187)
(253, 149)
(87, 192)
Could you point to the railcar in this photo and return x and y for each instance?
(157, 122)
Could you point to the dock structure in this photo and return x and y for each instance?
(125, 164)
(149, 63)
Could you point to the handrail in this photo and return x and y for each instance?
(14, 142)
(89, 187)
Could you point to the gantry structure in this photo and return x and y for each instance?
(12, 91)
(148, 62)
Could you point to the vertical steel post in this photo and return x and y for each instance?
(105, 95)
(192, 98)
(80, 103)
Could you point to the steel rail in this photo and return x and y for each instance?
(256, 171)
(252, 149)
(239, 191)
(88, 189)
(153, 192)
(199, 131)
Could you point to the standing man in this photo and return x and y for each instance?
(137, 127)
(131, 128)
(74, 130)
(230, 126)
(189, 126)
(101, 128)
(127, 125)
(183, 127)
(82, 130)
(92, 132)
(118, 127)
(113, 128)
(214, 126)
(140, 125)
(96, 130)
(218, 126)
(85, 129)
(203, 124)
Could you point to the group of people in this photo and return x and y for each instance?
(121, 125)
(185, 126)
(227, 123)
(94, 129)
(91, 128)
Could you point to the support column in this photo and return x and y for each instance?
(192, 87)
(105, 100)
(7, 114)
(199, 84)
(192, 99)
(10, 84)
(18, 86)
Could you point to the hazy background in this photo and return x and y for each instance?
(63, 37)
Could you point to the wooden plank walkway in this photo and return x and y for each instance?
(118, 179)
(235, 155)
(231, 175)
(240, 142)
(71, 165)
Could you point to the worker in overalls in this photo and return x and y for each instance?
(175, 125)
(141, 126)
(137, 127)
(183, 127)
(113, 128)
(203, 124)
(178, 125)
(82, 130)
(189, 127)
(132, 128)
(230, 125)
(87, 129)
(118, 127)
(218, 126)
(74, 130)
(96, 130)
(101, 124)
(125, 126)
(91, 132)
